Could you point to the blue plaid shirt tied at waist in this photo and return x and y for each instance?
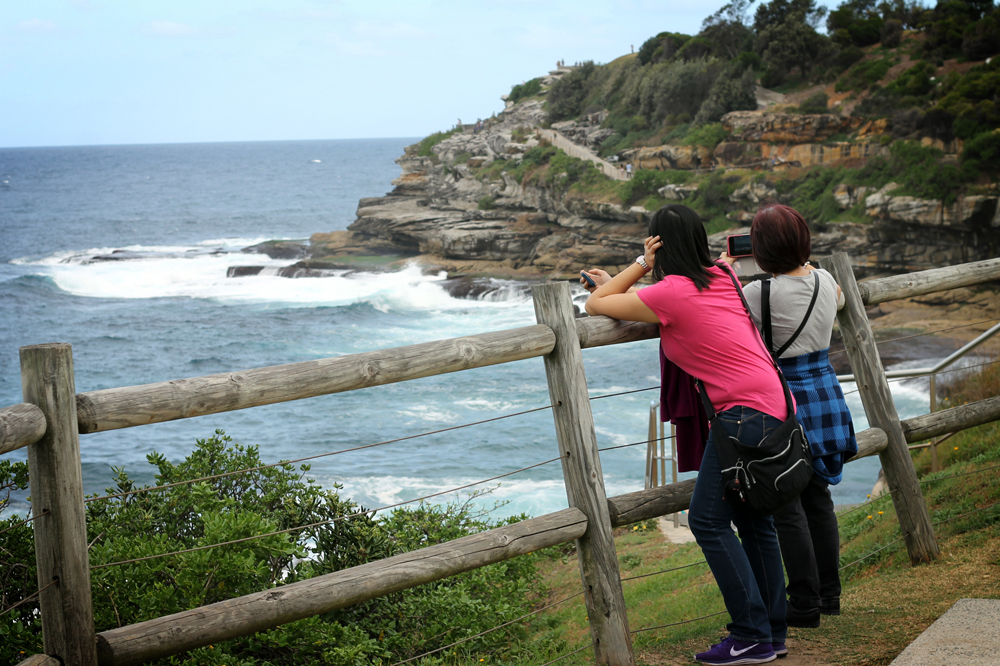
(822, 411)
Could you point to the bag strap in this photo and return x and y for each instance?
(774, 363)
(765, 306)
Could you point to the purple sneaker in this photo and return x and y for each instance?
(779, 649)
(732, 651)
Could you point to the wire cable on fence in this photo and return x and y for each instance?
(483, 633)
(674, 624)
(320, 455)
(568, 654)
(24, 522)
(535, 612)
(940, 372)
(323, 522)
(645, 441)
(28, 598)
(612, 395)
(657, 573)
(935, 524)
(918, 335)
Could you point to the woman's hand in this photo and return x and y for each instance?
(598, 276)
(726, 258)
(652, 244)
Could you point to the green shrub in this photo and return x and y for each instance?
(706, 135)
(424, 149)
(264, 501)
(984, 149)
(525, 90)
(864, 75)
(486, 203)
(817, 103)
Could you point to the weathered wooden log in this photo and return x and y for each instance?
(110, 409)
(914, 519)
(57, 487)
(40, 660)
(20, 425)
(871, 441)
(952, 419)
(650, 503)
(928, 282)
(187, 630)
(581, 465)
(600, 331)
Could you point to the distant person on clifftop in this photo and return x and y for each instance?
(803, 304)
(707, 333)
(628, 170)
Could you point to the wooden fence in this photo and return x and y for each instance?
(53, 415)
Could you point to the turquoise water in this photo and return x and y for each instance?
(182, 213)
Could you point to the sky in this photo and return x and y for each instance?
(100, 72)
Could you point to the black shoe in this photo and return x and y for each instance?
(805, 618)
(830, 606)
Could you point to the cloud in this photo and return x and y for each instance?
(172, 29)
(36, 25)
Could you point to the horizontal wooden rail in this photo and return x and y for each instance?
(650, 503)
(111, 409)
(871, 442)
(20, 425)
(40, 660)
(930, 281)
(187, 630)
(600, 331)
(951, 420)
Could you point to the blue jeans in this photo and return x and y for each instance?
(748, 569)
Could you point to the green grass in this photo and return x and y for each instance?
(886, 602)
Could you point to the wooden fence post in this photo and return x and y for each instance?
(581, 465)
(869, 375)
(57, 487)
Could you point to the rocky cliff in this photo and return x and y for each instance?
(444, 212)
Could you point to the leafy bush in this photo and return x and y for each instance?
(818, 103)
(424, 147)
(864, 75)
(486, 203)
(264, 501)
(706, 135)
(567, 95)
(983, 152)
(525, 90)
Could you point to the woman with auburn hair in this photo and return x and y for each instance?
(803, 304)
(706, 331)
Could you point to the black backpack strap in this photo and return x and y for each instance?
(746, 306)
(802, 325)
(765, 314)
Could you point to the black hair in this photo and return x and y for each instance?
(685, 245)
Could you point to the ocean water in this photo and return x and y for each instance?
(169, 220)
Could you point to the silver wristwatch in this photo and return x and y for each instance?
(641, 260)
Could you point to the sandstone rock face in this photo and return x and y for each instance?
(668, 157)
(536, 230)
(755, 192)
(786, 127)
(677, 192)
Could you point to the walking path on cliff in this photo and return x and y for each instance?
(581, 153)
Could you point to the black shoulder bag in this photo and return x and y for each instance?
(765, 477)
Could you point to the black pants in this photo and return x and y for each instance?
(810, 546)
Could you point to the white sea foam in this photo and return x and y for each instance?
(533, 497)
(200, 272)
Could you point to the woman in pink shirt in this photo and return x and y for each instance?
(707, 332)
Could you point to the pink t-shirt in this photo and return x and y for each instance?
(708, 334)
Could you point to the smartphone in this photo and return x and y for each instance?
(589, 279)
(739, 246)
